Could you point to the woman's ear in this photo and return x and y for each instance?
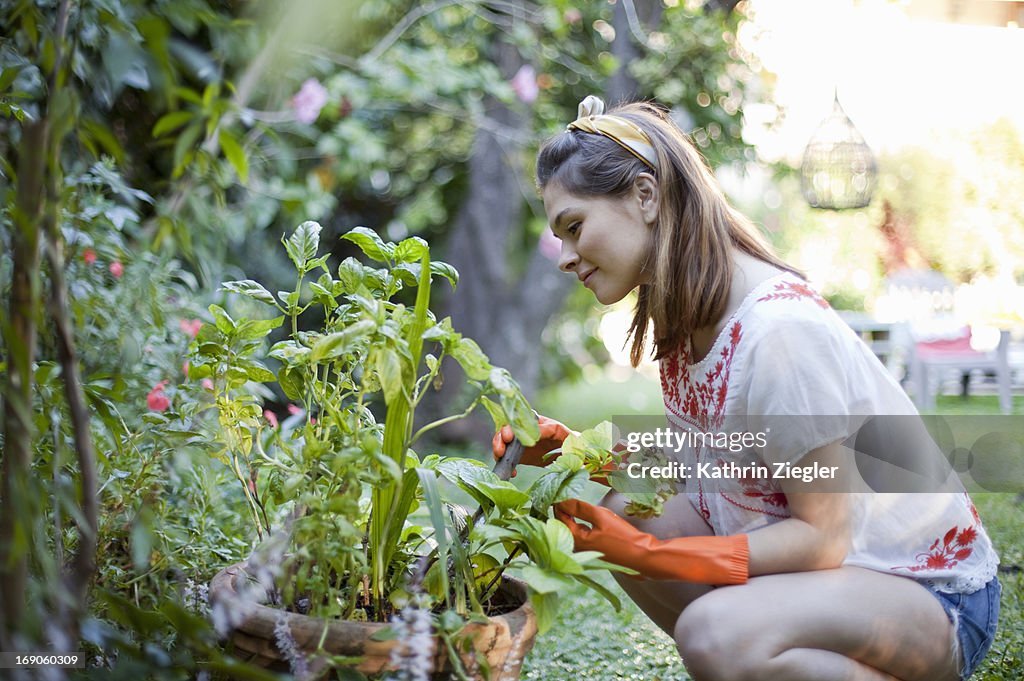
(645, 188)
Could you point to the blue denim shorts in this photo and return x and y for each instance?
(974, 617)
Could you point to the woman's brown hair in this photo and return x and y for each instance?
(690, 263)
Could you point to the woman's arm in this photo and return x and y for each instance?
(817, 536)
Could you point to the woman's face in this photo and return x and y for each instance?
(606, 241)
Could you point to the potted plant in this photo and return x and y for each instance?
(367, 559)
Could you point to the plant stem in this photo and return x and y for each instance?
(248, 497)
(504, 566)
(440, 422)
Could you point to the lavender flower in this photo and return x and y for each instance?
(413, 653)
(263, 566)
(290, 648)
(309, 100)
(196, 597)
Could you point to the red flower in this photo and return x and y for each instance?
(117, 269)
(156, 400)
(89, 256)
(966, 536)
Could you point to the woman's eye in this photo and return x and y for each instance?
(573, 228)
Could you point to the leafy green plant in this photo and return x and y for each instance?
(370, 522)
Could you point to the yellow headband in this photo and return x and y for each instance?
(625, 133)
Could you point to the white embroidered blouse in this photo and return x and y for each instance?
(787, 354)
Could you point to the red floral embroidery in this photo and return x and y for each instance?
(699, 401)
(946, 551)
(791, 290)
(758, 489)
(974, 511)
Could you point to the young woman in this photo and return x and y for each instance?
(755, 578)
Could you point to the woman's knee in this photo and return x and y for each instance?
(711, 643)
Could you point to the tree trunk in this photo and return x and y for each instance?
(505, 314)
(15, 507)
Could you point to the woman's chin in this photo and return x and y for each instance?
(609, 298)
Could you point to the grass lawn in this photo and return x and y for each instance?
(592, 641)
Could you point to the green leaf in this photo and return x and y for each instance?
(225, 324)
(337, 344)
(350, 274)
(171, 121)
(517, 410)
(411, 249)
(253, 289)
(141, 541)
(446, 271)
(600, 588)
(557, 485)
(600, 437)
(254, 329)
(235, 154)
(289, 352)
(303, 244)
(291, 382)
(545, 605)
(183, 150)
(258, 372)
(503, 494)
(472, 359)
(370, 243)
(388, 366)
(8, 75)
(432, 498)
(544, 581)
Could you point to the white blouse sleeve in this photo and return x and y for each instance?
(806, 385)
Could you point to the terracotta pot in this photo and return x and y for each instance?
(504, 641)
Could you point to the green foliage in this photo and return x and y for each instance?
(346, 488)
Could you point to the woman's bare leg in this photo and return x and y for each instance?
(662, 601)
(849, 624)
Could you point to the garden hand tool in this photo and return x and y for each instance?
(705, 560)
(552, 434)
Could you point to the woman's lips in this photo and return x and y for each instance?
(589, 275)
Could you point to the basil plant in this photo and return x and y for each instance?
(368, 522)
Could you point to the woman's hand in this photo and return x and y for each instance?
(552, 434)
(704, 560)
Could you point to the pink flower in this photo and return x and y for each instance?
(117, 269)
(156, 400)
(190, 326)
(309, 100)
(294, 409)
(184, 368)
(549, 245)
(89, 256)
(207, 384)
(525, 84)
(572, 15)
(271, 418)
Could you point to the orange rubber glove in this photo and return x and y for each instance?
(705, 560)
(552, 434)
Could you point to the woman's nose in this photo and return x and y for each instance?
(567, 258)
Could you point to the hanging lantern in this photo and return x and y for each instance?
(838, 170)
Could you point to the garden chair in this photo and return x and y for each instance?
(931, 358)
